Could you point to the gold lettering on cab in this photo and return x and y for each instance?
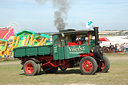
(76, 49)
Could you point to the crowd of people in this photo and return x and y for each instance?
(115, 48)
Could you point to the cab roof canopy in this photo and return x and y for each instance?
(78, 32)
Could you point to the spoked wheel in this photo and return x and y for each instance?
(50, 69)
(105, 64)
(30, 68)
(88, 65)
(63, 69)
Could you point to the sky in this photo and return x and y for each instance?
(39, 17)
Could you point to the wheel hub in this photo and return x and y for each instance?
(87, 66)
(29, 68)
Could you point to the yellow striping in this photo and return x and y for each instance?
(44, 41)
(13, 42)
(40, 42)
(32, 39)
(28, 37)
(29, 40)
(12, 45)
(2, 52)
(6, 33)
(0, 47)
(6, 43)
(17, 41)
(23, 41)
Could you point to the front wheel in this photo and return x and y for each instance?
(30, 68)
(88, 65)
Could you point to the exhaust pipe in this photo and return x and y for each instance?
(96, 35)
(98, 54)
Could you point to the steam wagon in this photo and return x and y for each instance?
(69, 48)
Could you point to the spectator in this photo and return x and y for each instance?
(116, 48)
(122, 47)
(112, 49)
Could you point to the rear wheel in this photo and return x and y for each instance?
(105, 64)
(50, 69)
(30, 68)
(88, 65)
(38, 69)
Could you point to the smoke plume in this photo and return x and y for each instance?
(41, 1)
(61, 14)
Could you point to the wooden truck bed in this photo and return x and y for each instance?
(33, 51)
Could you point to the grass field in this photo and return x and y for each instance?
(10, 74)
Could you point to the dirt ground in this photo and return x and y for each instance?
(9, 63)
(11, 74)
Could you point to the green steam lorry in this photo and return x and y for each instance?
(69, 49)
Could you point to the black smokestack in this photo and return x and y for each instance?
(96, 35)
